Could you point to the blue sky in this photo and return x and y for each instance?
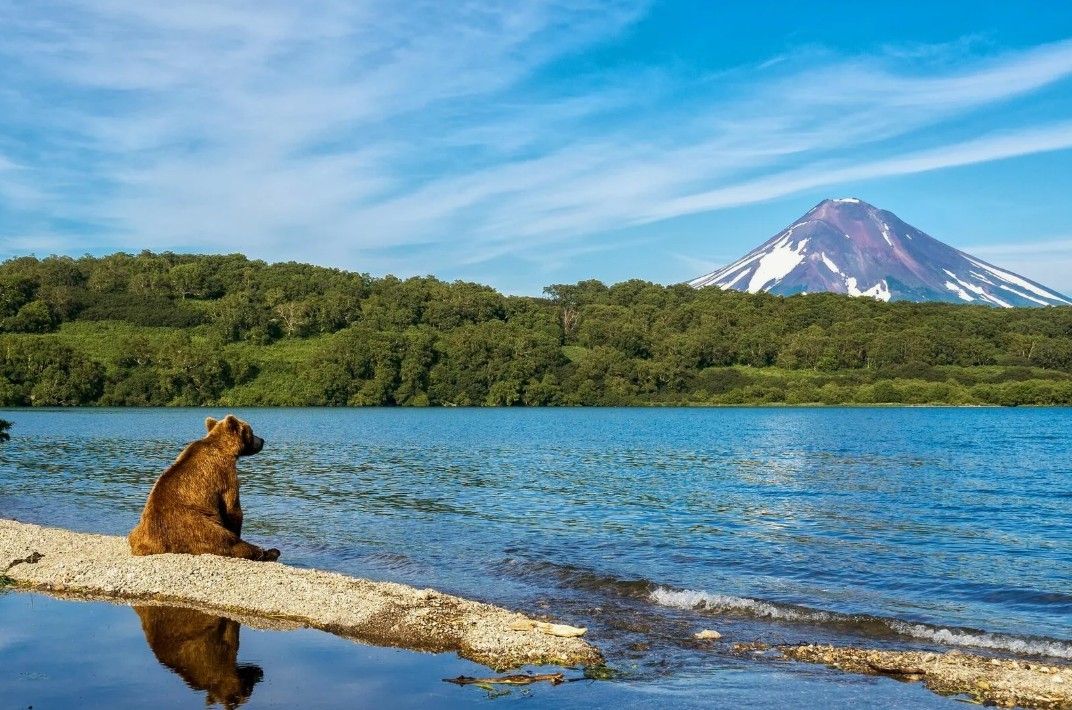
(529, 143)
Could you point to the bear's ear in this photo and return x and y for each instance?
(232, 422)
(210, 423)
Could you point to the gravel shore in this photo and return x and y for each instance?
(1004, 682)
(380, 613)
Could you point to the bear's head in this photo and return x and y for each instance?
(235, 435)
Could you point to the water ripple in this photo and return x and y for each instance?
(955, 519)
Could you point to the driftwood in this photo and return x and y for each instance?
(31, 559)
(517, 679)
(561, 630)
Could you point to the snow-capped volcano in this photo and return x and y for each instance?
(849, 246)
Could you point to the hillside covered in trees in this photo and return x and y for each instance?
(177, 329)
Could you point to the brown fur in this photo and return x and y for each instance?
(193, 507)
(202, 650)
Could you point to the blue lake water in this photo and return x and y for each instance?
(906, 527)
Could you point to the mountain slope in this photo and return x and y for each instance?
(849, 246)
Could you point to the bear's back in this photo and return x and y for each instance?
(198, 477)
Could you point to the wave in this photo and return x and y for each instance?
(578, 577)
(946, 636)
(722, 603)
(1022, 645)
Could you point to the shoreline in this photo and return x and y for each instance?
(1001, 681)
(274, 596)
(376, 613)
(639, 405)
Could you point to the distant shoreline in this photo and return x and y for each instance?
(186, 329)
(572, 407)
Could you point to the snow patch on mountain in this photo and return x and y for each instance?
(736, 278)
(881, 290)
(774, 266)
(958, 290)
(886, 234)
(1023, 295)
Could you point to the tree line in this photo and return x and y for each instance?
(179, 329)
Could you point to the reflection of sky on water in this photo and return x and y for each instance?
(92, 654)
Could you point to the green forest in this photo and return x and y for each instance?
(179, 329)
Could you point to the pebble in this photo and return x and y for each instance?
(707, 635)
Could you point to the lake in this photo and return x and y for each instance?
(916, 527)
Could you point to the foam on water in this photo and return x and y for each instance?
(983, 639)
(722, 603)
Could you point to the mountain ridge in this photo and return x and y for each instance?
(849, 246)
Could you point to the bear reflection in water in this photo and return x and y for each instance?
(203, 650)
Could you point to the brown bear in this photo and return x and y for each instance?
(203, 650)
(193, 507)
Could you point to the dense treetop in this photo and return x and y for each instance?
(180, 329)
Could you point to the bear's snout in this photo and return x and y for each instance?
(255, 446)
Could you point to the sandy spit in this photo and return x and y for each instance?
(1004, 682)
(379, 613)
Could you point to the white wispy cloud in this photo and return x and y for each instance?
(980, 150)
(356, 134)
(697, 265)
(1021, 247)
